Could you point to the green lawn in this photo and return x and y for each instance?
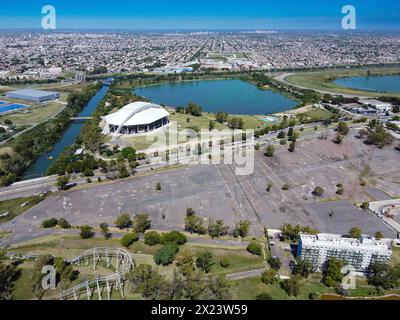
(37, 114)
(324, 80)
(249, 289)
(316, 115)
(15, 207)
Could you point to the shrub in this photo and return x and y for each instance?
(318, 191)
(205, 260)
(49, 223)
(275, 263)
(86, 232)
(128, 239)
(365, 206)
(166, 255)
(173, 236)
(254, 248)
(123, 221)
(64, 223)
(141, 223)
(158, 186)
(152, 238)
(224, 262)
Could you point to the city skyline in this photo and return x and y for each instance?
(223, 15)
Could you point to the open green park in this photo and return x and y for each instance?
(324, 80)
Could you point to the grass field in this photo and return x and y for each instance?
(37, 114)
(187, 121)
(324, 80)
(15, 207)
(68, 246)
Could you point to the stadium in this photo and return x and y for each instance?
(136, 118)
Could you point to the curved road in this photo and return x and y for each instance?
(283, 79)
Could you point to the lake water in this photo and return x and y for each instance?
(373, 83)
(39, 167)
(231, 96)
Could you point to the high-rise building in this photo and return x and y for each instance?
(359, 253)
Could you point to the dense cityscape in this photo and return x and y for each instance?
(41, 55)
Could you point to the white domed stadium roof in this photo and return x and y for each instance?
(137, 113)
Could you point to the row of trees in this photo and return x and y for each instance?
(190, 281)
(215, 229)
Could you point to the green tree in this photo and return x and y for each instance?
(166, 254)
(303, 268)
(343, 128)
(185, 263)
(355, 233)
(147, 281)
(86, 232)
(129, 238)
(194, 224)
(173, 236)
(62, 182)
(49, 223)
(205, 260)
(383, 275)
(269, 276)
(217, 229)
(332, 275)
(63, 223)
(241, 229)
(141, 223)
(221, 117)
(254, 248)
(269, 151)
(379, 235)
(275, 263)
(123, 221)
(152, 238)
(9, 274)
(105, 230)
(318, 191)
(292, 286)
(235, 123)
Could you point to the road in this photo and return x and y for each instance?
(379, 207)
(283, 78)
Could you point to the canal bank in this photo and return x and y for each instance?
(39, 167)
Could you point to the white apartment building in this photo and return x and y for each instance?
(359, 253)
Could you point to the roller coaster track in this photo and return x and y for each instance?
(123, 263)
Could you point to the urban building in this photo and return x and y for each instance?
(135, 118)
(359, 253)
(380, 106)
(33, 95)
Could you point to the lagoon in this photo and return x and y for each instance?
(232, 96)
(372, 83)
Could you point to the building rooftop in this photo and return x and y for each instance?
(32, 92)
(329, 240)
(137, 113)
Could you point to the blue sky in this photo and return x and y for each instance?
(202, 14)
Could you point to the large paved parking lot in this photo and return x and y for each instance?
(214, 191)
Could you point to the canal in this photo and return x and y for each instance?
(40, 166)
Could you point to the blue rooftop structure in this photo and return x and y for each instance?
(33, 95)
